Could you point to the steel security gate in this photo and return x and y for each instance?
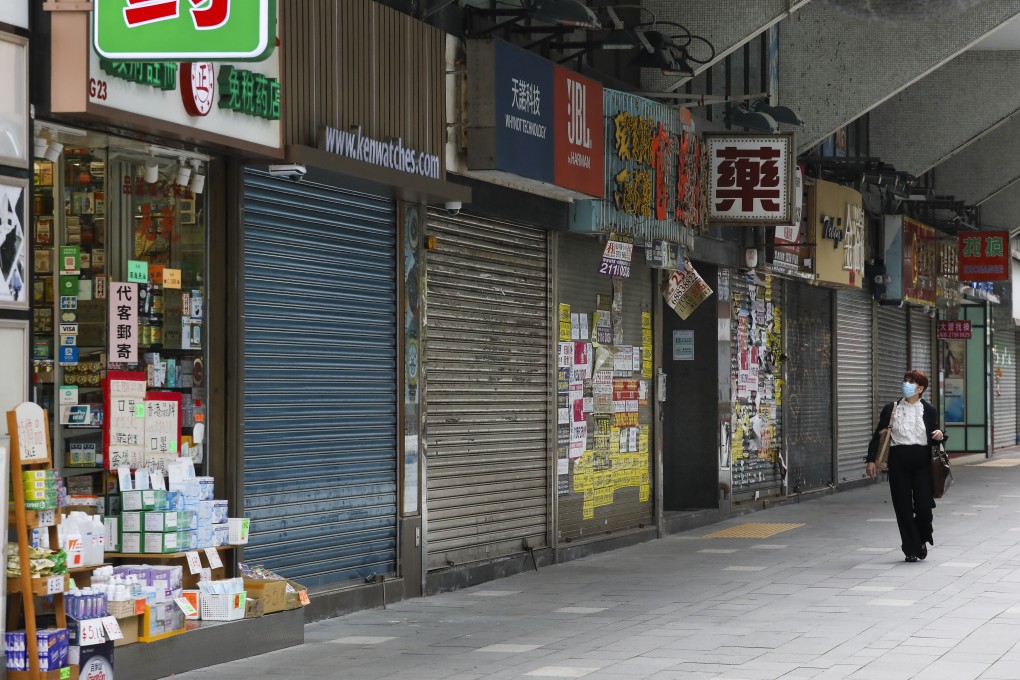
(487, 361)
(891, 352)
(809, 394)
(1004, 385)
(320, 361)
(621, 505)
(921, 343)
(854, 383)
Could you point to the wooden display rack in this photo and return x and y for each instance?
(30, 450)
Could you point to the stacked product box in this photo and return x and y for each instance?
(40, 489)
(53, 646)
(195, 495)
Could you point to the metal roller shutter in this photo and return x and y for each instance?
(753, 473)
(892, 356)
(809, 394)
(320, 361)
(854, 382)
(921, 343)
(487, 392)
(578, 284)
(1004, 385)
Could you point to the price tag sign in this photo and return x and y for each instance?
(140, 605)
(185, 606)
(172, 278)
(194, 561)
(47, 518)
(213, 556)
(91, 632)
(138, 271)
(54, 585)
(112, 628)
(205, 574)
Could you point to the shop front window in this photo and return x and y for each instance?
(106, 212)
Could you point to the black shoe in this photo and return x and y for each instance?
(923, 552)
(910, 558)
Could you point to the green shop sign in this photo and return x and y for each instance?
(184, 30)
(159, 74)
(250, 93)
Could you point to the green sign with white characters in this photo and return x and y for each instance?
(184, 30)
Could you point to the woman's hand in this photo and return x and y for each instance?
(871, 470)
(938, 435)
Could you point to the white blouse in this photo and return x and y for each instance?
(908, 425)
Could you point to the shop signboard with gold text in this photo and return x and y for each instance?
(837, 216)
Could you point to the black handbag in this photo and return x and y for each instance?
(941, 472)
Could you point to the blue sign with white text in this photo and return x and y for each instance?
(524, 113)
(68, 355)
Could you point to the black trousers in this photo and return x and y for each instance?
(910, 486)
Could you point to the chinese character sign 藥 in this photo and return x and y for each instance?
(185, 30)
(984, 256)
(750, 178)
(123, 305)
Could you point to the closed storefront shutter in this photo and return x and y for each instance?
(854, 382)
(892, 356)
(756, 429)
(809, 386)
(1004, 385)
(611, 482)
(921, 343)
(487, 362)
(320, 358)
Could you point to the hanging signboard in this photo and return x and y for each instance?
(750, 178)
(684, 290)
(199, 30)
(654, 174)
(616, 257)
(910, 254)
(788, 253)
(837, 216)
(123, 323)
(533, 119)
(984, 256)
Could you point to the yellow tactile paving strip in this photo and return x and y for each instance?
(1005, 462)
(753, 530)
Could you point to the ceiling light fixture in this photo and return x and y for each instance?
(151, 174)
(197, 179)
(183, 174)
(40, 145)
(53, 153)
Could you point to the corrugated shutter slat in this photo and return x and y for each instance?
(1004, 385)
(892, 356)
(320, 368)
(487, 389)
(854, 382)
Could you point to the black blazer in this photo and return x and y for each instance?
(931, 423)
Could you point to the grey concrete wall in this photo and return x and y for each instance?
(984, 167)
(728, 24)
(936, 117)
(1003, 210)
(834, 67)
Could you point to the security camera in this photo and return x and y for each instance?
(453, 207)
(294, 171)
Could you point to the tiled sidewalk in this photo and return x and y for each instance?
(829, 599)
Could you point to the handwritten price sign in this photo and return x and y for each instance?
(91, 632)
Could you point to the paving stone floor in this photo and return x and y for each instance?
(829, 599)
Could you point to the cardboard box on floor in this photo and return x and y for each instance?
(272, 593)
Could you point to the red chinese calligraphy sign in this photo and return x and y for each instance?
(954, 330)
(750, 178)
(984, 256)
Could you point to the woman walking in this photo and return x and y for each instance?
(915, 429)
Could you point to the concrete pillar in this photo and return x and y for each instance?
(946, 111)
(834, 66)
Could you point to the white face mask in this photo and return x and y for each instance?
(909, 389)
